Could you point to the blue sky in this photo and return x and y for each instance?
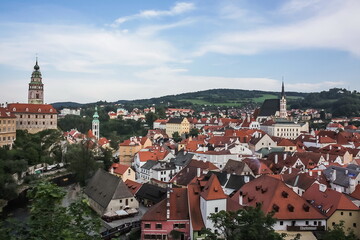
(111, 50)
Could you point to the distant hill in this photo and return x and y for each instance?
(59, 105)
(215, 97)
(338, 101)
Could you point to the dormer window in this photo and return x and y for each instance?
(39, 110)
(51, 110)
(290, 207)
(14, 109)
(27, 109)
(284, 194)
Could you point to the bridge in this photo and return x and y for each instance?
(120, 230)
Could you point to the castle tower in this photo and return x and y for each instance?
(36, 87)
(96, 124)
(283, 113)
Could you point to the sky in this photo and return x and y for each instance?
(90, 50)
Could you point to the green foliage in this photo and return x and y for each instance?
(248, 224)
(339, 233)
(194, 132)
(49, 220)
(176, 136)
(82, 161)
(150, 118)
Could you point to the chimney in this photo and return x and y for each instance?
(198, 172)
(333, 175)
(352, 185)
(111, 170)
(226, 146)
(322, 187)
(330, 147)
(276, 159)
(241, 198)
(290, 170)
(327, 157)
(310, 173)
(246, 179)
(168, 201)
(285, 155)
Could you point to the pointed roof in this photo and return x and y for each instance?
(213, 190)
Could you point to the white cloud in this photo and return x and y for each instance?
(331, 28)
(82, 48)
(178, 8)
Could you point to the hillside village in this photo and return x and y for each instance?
(191, 164)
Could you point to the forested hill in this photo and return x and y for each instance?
(217, 97)
(338, 101)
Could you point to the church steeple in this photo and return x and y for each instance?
(36, 87)
(283, 112)
(96, 124)
(282, 89)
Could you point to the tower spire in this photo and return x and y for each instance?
(282, 88)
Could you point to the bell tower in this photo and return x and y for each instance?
(96, 124)
(36, 87)
(283, 112)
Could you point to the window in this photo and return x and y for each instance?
(342, 213)
(350, 214)
(281, 223)
(158, 226)
(307, 222)
(147, 225)
(216, 209)
(333, 223)
(354, 224)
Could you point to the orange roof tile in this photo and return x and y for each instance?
(276, 196)
(31, 108)
(213, 190)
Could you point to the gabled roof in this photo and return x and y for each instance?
(269, 107)
(182, 158)
(189, 172)
(275, 196)
(151, 192)
(178, 206)
(329, 200)
(213, 190)
(119, 168)
(103, 187)
(235, 167)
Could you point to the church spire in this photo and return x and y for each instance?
(282, 89)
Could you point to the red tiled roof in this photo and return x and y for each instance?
(103, 141)
(5, 113)
(328, 201)
(276, 196)
(179, 209)
(194, 205)
(31, 108)
(132, 186)
(154, 153)
(119, 168)
(213, 190)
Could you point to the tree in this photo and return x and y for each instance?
(82, 161)
(248, 224)
(49, 220)
(176, 136)
(150, 118)
(194, 132)
(338, 233)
